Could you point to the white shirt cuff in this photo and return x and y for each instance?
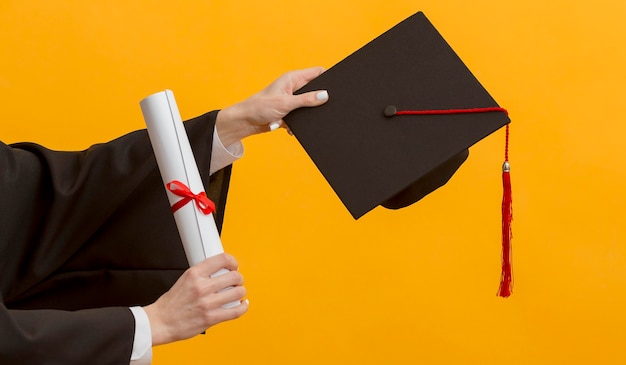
(223, 156)
(142, 344)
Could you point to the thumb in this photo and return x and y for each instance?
(311, 98)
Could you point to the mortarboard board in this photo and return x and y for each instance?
(402, 113)
(371, 159)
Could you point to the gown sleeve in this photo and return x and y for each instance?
(85, 235)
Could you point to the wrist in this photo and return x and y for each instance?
(233, 125)
(158, 328)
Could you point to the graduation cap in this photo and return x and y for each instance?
(402, 113)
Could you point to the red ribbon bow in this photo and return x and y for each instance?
(203, 203)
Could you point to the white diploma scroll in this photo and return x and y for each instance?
(176, 162)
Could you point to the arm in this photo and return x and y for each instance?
(90, 217)
(71, 217)
(67, 219)
(82, 337)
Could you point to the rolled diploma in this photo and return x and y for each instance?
(175, 159)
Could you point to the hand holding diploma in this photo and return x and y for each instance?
(196, 301)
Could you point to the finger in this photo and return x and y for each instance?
(231, 278)
(229, 295)
(280, 124)
(215, 263)
(225, 314)
(275, 125)
(303, 77)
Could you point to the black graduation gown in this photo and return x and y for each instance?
(83, 236)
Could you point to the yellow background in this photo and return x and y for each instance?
(410, 286)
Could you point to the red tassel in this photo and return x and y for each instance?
(506, 280)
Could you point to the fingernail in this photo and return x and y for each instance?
(246, 301)
(322, 95)
(274, 126)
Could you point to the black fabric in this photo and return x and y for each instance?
(91, 336)
(430, 182)
(90, 229)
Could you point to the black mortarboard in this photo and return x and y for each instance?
(371, 159)
(402, 113)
